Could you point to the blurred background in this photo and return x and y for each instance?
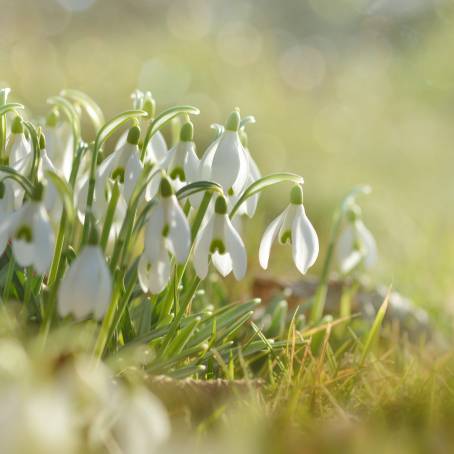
(344, 92)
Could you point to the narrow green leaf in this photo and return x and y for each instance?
(10, 107)
(65, 193)
(117, 122)
(198, 186)
(19, 178)
(266, 182)
(70, 111)
(375, 329)
(90, 106)
(165, 117)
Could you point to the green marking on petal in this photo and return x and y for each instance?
(165, 231)
(178, 172)
(217, 245)
(24, 233)
(286, 237)
(119, 174)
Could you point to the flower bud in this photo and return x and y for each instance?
(52, 118)
(149, 105)
(42, 141)
(353, 213)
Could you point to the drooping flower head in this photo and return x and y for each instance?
(31, 234)
(86, 287)
(219, 240)
(167, 231)
(225, 160)
(356, 246)
(292, 226)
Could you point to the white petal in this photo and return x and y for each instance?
(236, 249)
(132, 173)
(228, 159)
(222, 262)
(268, 238)
(152, 188)
(206, 163)
(154, 276)
(8, 225)
(153, 232)
(191, 164)
(43, 240)
(202, 249)
(104, 288)
(344, 245)
(24, 252)
(179, 233)
(304, 241)
(156, 149)
(368, 242)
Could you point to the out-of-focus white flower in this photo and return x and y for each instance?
(219, 239)
(59, 144)
(19, 149)
(356, 246)
(167, 230)
(292, 226)
(87, 285)
(31, 233)
(225, 160)
(142, 425)
(123, 166)
(24, 421)
(20, 157)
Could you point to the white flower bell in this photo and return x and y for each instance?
(292, 226)
(356, 246)
(19, 149)
(124, 166)
(31, 233)
(86, 287)
(181, 163)
(167, 230)
(59, 143)
(225, 160)
(219, 239)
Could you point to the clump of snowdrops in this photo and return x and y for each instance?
(125, 233)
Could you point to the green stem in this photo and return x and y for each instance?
(58, 250)
(110, 215)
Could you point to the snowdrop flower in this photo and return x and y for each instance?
(157, 148)
(59, 143)
(225, 160)
(292, 226)
(219, 239)
(19, 149)
(31, 233)
(87, 285)
(52, 201)
(124, 166)
(142, 424)
(249, 207)
(167, 230)
(181, 163)
(20, 154)
(356, 246)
